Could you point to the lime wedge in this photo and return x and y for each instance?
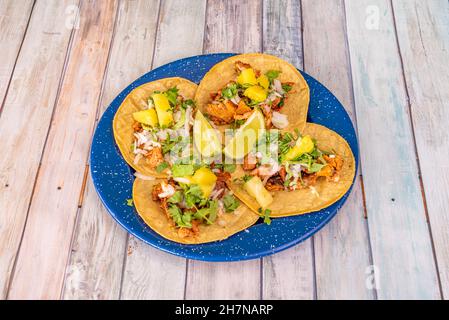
(246, 136)
(205, 137)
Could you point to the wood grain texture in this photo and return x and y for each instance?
(290, 274)
(47, 238)
(342, 253)
(150, 273)
(231, 26)
(95, 267)
(399, 234)
(24, 123)
(423, 35)
(14, 17)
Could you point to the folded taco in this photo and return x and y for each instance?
(295, 173)
(195, 206)
(233, 88)
(151, 120)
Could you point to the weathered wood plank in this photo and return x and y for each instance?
(290, 274)
(233, 26)
(25, 120)
(423, 35)
(47, 238)
(14, 17)
(399, 234)
(342, 253)
(96, 263)
(149, 273)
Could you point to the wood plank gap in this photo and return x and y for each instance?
(58, 92)
(185, 279)
(17, 58)
(415, 147)
(125, 259)
(362, 186)
(83, 186)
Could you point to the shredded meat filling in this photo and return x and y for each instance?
(154, 157)
(221, 113)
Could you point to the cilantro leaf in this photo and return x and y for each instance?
(130, 202)
(272, 74)
(230, 203)
(176, 197)
(181, 220)
(286, 87)
(172, 96)
(230, 91)
(266, 215)
(187, 103)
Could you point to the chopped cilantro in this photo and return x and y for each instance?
(286, 87)
(230, 91)
(246, 178)
(130, 202)
(176, 197)
(266, 215)
(172, 96)
(181, 220)
(230, 203)
(187, 103)
(272, 74)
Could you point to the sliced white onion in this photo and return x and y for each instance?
(182, 180)
(167, 190)
(137, 158)
(143, 177)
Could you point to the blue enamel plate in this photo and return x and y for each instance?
(113, 178)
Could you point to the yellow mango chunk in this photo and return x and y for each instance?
(256, 93)
(162, 106)
(303, 145)
(147, 117)
(247, 76)
(256, 189)
(263, 81)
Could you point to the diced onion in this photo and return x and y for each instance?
(137, 158)
(279, 120)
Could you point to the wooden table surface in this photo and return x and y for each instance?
(63, 61)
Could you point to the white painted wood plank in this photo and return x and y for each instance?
(232, 26)
(399, 234)
(423, 35)
(14, 17)
(342, 253)
(96, 263)
(24, 123)
(47, 238)
(289, 274)
(150, 273)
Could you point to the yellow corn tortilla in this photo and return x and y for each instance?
(136, 101)
(289, 203)
(154, 217)
(297, 102)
